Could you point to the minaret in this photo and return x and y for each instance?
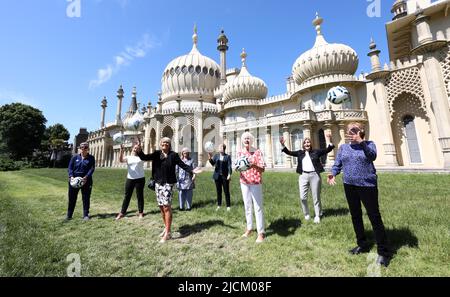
(222, 47)
(378, 76)
(399, 9)
(119, 106)
(104, 105)
(427, 47)
(133, 105)
(374, 55)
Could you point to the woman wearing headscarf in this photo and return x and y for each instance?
(185, 184)
(251, 186)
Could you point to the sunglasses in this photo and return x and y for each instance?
(84, 148)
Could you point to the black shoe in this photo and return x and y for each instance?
(383, 260)
(359, 250)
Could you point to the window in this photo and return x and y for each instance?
(198, 69)
(211, 72)
(184, 69)
(191, 69)
(411, 139)
(278, 155)
(205, 70)
(296, 142)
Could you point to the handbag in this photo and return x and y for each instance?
(151, 183)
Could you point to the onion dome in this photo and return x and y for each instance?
(245, 86)
(190, 76)
(324, 59)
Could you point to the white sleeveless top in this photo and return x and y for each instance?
(135, 167)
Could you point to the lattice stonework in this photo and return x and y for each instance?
(405, 81)
(444, 58)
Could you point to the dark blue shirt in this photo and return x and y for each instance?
(80, 167)
(356, 160)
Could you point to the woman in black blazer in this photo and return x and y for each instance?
(222, 175)
(163, 167)
(309, 167)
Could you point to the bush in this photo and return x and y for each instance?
(7, 164)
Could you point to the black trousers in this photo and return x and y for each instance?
(86, 191)
(223, 182)
(369, 198)
(129, 187)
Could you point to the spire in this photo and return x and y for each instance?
(133, 105)
(372, 44)
(243, 58)
(317, 22)
(195, 36)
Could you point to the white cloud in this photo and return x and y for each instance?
(125, 58)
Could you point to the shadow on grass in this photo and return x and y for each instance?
(401, 237)
(284, 227)
(187, 230)
(397, 238)
(335, 212)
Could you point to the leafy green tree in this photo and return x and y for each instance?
(55, 136)
(21, 129)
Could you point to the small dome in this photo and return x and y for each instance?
(190, 76)
(324, 59)
(245, 85)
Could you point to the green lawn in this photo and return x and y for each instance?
(34, 241)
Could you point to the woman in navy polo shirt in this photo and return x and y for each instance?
(81, 165)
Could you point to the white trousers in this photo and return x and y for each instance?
(252, 196)
(305, 182)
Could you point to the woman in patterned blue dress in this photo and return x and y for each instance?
(185, 183)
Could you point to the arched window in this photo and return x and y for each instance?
(411, 139)
(296, 142)
(322, 145)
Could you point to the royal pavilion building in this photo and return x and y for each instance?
(404, 104)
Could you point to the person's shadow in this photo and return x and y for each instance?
(335, 212)
(397, 238)
(187, 230)
(284, 227)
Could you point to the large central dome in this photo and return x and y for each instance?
(191, 76)
(325, 59)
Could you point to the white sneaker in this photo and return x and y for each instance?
(218, 207)
(317, 220)
(228, 208)
(307, 217)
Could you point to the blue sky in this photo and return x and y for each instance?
(65, 65)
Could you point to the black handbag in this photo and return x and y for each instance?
(151, 184)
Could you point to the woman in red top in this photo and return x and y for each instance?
(251, 186)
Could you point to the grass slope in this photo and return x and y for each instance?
(35, 242)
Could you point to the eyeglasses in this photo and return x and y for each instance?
(84, 148)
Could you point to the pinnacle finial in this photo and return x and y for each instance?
(195, 36)
(372, 44)
(317, 22)
(243, 57)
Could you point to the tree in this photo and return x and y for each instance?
(56, 135)
(21, 129)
